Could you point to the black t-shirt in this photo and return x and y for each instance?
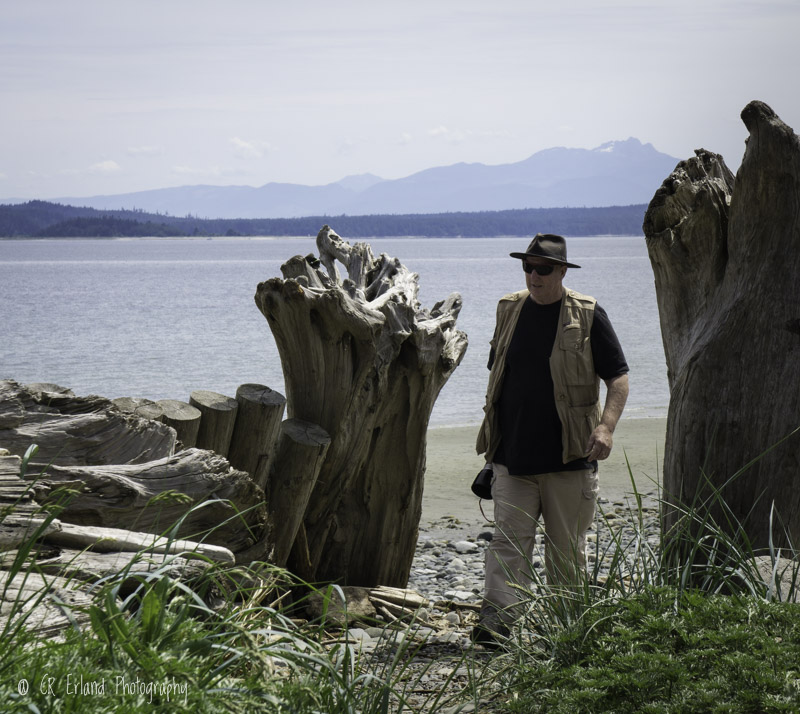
(529, 424)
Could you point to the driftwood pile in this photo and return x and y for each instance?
(333, 492)
(117, 487)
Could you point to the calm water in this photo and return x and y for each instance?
(161, 318)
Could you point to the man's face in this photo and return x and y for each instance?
(544, 289)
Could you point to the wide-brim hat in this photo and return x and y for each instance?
(548, 246)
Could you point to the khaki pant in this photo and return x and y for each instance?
(566, 501)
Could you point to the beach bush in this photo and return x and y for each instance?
(699, 621)
(663, 650)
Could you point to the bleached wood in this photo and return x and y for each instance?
(726, 259)
(257, 426)
(90, 566)
(72, 430)
(144, 408)
(183, 418)
(49, 604)
(217, 420)
(153, 497)
(118, 540)
(365, 361)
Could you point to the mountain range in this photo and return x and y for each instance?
(617, 173)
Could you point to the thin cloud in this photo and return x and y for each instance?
(250, 149)
(105, 167)
(101, 167)
(347, 148)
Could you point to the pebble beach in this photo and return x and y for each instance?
(456, 528)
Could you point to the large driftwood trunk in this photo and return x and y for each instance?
(364, 361)
(726, 258)
(72, 430)
(154, 496)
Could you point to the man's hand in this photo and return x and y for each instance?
(600, 443)
(602, 439)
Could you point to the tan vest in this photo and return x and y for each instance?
(575, 383)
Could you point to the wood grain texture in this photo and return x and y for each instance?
(217, 420)
(726, 259)
(183, 418)
(196, 487)
(256, 430)
(72, 430)
(363, 360)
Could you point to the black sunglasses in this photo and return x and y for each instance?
(540, 269)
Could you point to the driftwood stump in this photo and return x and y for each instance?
(363, 360)
(183, 418)
(217, 420)
(726, 258)
(258, 422)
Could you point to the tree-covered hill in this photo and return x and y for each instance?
(40, 219)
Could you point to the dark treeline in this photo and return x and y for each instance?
(41, 219)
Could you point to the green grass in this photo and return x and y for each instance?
(696, 622)
(164, 644)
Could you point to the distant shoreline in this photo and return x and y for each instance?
(42, 219)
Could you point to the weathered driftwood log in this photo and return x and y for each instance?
(256, 430)
(362, 359)
(182, 417)
(89, 566)
(217, 420)
(51, 603)
(144, 408)
(300, 454)
(72, 430)
(153, 497)
(726, 258)
(21, 518)
(119, 540)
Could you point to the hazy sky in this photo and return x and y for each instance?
(108, 96)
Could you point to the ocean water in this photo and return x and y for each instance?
(160, 318)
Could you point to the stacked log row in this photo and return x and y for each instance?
(218, 415)
(107, 468)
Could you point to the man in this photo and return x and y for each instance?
(544, 429)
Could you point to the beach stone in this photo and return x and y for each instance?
(360, 637)
(457, 565)
(453, 618)
(465, 546)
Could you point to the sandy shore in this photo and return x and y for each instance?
(452, 464)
